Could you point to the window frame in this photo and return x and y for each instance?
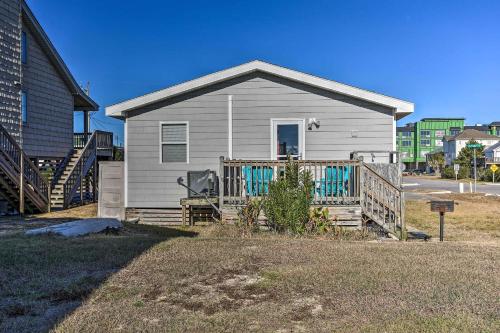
(425, 136)
(24, 115)
(173, 142)
(406, 141)
(439, 136)
(24, 47)
(406, 134)
(429, 145)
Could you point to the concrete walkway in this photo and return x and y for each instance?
(78, 228)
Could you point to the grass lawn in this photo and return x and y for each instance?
(161, 279)
(476, 218)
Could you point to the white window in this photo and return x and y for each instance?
(440, 133)
(174, 142)
(287, 138)
(439, 143)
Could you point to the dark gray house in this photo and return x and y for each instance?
(39, 94)
(38, 98)
(253, 112)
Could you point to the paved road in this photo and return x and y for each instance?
(437, 185)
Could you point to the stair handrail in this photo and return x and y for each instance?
(391, 198)
(60, 168)
(82, 165)
(31, 174)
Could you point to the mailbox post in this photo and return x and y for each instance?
(442, 207)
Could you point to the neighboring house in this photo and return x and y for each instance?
(492, 154)
(256, 111)
(416, 140)
(38, 99)
(492, 128)
(454, 144)
(40, 94)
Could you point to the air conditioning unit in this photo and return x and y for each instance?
(204, 182)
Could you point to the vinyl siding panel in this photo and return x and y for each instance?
(10, 68)
(256, 99)
(48, 131)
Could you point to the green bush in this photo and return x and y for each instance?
(449, 172)
(289, 200)
(488, 175)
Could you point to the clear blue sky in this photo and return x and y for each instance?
(443, 56)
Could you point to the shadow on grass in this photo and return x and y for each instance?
(44, 278)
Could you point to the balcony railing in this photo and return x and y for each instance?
(493, 160)
(104, 141)
(334, 182)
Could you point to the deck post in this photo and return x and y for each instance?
(81, 182)
(221, 184)
(402, 217)
(21, 184)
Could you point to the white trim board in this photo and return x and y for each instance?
(401, 107)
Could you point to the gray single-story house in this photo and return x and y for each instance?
(254, 111)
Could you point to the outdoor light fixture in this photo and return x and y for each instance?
(311, 122)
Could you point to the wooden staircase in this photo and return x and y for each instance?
(75, 180)
(382, 202)
(21, 183)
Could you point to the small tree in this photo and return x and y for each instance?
(436, 161)
(466, 155)
(288, 202)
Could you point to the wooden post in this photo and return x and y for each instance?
(402, 216)
(50, 196)
(94, 181)
(21, 184)
(221, 184)
(183, 214)
(81, 181)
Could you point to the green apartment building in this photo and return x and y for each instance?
(415, 140)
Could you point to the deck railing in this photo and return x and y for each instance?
(75, 179)
(13, 161)
(382, 201)
(335, 182)
(493, 160)
(104, 140)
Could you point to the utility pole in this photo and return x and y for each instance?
(475, 171)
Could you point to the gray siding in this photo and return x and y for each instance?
(10, 69)
(48, 131)
(256, 99)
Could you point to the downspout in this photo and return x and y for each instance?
(230, 126)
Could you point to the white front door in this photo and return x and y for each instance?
(287, 138)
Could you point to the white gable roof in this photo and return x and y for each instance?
(402, 108)
(495, 147)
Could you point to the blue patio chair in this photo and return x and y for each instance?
(257, 179)
(336, 177)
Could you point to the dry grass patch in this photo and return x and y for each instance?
(279, 284)
(44, 278)
(476, 217)
(13, 224)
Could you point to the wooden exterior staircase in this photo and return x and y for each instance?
(75, 180)
(21, 183)
(382, 202)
